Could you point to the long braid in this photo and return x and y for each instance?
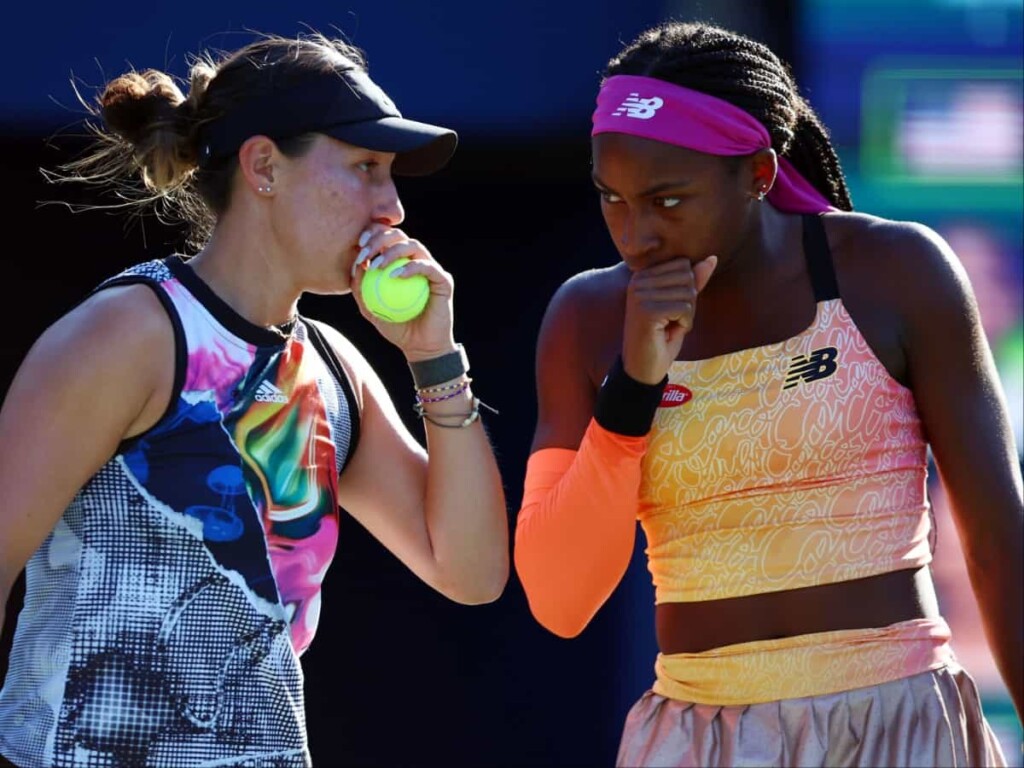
(814, 156)
(748, 75)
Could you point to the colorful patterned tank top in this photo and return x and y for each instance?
(789, 465)
(165, 614)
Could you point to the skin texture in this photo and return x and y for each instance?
(668, 211)
(107, 367)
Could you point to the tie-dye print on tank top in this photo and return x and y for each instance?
(165, 614)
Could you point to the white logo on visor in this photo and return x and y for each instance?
(642, 109)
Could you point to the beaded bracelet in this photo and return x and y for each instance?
(467, 418)
(458, 383)
(458, 390)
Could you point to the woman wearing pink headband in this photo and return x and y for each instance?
(759, 382)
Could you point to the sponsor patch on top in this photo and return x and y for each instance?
(675, 395)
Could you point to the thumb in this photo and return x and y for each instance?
(702, 271)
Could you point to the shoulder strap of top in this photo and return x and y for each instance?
(330, 357)
(819, 259)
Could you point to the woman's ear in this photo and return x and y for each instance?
(256, 163)
(764, 165)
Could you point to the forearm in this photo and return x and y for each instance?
(466, 516)
(997, 583)
(576, 527)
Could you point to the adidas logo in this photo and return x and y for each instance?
(642, 109)
(268, 393)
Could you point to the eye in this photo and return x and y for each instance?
(667, 202)
(367, 165)
(609, 197)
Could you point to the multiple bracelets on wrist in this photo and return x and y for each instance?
(443, 378)
(624, 405)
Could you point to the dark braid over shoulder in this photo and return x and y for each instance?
(748, 75)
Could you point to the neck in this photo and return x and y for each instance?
(247, 276)
(770, 239)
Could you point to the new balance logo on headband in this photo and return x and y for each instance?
(820, 364)
(642, 109)
(268, 393)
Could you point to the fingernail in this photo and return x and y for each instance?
(376, 262)
(362, 256)
(398, 272)
(363, 238)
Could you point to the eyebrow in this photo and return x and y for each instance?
(650, 191)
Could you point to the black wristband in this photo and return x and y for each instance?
(437, 370)
(626, 406)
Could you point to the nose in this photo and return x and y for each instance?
(636, 237)
(388, 208)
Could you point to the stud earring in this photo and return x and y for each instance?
(760, 194)
(265, 189)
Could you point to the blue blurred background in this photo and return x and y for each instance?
(924, 102)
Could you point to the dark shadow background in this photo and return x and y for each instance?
(398, 675)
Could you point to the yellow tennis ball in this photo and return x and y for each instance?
(395, 299)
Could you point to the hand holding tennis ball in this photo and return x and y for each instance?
(395, 299)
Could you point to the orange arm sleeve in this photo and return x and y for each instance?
(575, 530)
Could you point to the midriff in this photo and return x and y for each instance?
(876, 601)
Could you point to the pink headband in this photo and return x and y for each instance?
(654, 109)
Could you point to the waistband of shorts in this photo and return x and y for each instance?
(804, 665)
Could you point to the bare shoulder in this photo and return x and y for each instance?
(592, 298)
(895, 270)
(115, 350)
(582, 325)
(906, 250)
(127, 318)
(593, 285)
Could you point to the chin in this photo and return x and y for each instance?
(330, 286)
(329, 290)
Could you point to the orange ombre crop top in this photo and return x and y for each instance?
(784, 466)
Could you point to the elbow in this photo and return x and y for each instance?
(556, 619)
(483, 592)
(559, 612)
(483, 588)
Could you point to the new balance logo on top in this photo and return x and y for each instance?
(268, 393)
(642, 109)
(820, 364)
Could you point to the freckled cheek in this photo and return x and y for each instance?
(341, 190)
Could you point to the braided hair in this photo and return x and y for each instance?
(748, 75)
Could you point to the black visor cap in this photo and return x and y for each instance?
(344, 105)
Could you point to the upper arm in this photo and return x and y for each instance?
(87, 382)
(566, 390)
(957, 390)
